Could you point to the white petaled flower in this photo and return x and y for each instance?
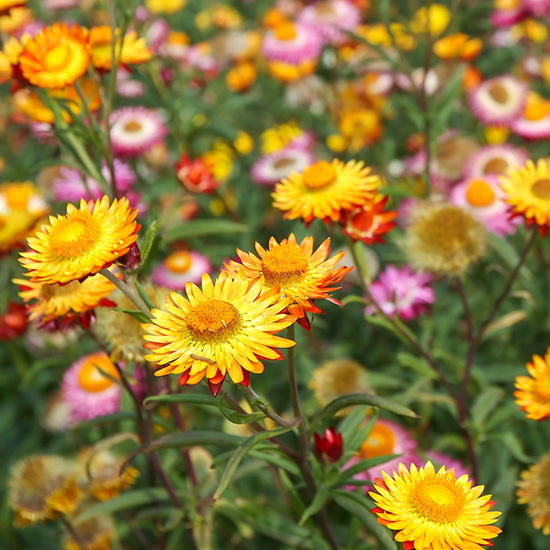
(270, 169)
(292, 43)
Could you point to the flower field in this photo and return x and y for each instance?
(274, 274)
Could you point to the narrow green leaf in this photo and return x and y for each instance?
(190, 398)
(385, 323)
(365, 399)
(354, 439)
(485, 403)
(135, 314)
(515, 446)
(235, 417)
(143, 295)
(147, 242)
(317, 503)
(275, 459)
(201, 228)
(352, 299)
(363, 465)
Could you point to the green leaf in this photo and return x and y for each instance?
(354, 439)
(317, 503)
(235, 417)
(135, 314)
(240, 453)
(363, 465)
(143, 295)
(364, 399)
(485, 403)
(445, 106)
(190, 398)
(389, 325)
(353, 298)
(147, 242)
(99, 420)
(275, 458)
(201, 228)
(514, 445)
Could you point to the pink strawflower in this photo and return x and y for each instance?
(156, 34)
(483, 197)
(537, 8)
(440, 459)
(88, 391)
(126, 86)
(494, 160)
(292, 43)
(331, 19)
(180, 268)
(135, 130)
(499, 100)
(73, 185)
(271, 169)
(403, 292)
(532, 129)
(507, 18)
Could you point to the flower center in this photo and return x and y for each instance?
(213, 321)
(132, 127)
(58, 57)
(480, 193)
(543, 386)
(381, 441)
(179, 262)
(496, 166)
(285, 31)
(499, 93)
(536, 107)
(284, 265)
(91, 377)
(319, 175)
(541, 189)
(75, 235)
(283, 163)
(47, 292)
(438, 499)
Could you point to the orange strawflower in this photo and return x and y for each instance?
(458, 46)
(533, 395)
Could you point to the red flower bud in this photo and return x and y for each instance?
(330, 445)
(13, 323)
(132, 259)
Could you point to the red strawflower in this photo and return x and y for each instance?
(13, 323)
(330, 445)
(367, 223)
(196, 175)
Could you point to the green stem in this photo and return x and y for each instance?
(266, 408)
(130, 293)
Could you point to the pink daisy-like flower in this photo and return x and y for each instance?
(180, 268)
(89, 392)
(403, 292)
(270, 169)
(126, 86)
(537, 8)
(135, 130)
(483, 197)
(499, 100)
(292, 43)
(385, 438)
(331, 19)
(494, 160)
(532, 129)
(506, 18)
(73, 185)
(156, 34)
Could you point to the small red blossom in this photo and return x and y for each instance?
(13, 323)
(330, 445)
(367, 223)
(132, 259)
(196, 175)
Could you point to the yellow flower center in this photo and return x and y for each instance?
(319, 175)
(91, 377)
(499, 93)
(480, 193)
(285, 31)
(213, 321)
(541, 189)
(284, 265)
(381, 441)
(543, 386)
(179, 262)
(438, 499)
(17, 197)
(132, 127)
(47, 292)
(496, 166)
(75, 235)
(58, 57)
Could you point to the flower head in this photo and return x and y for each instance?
(431, 510)
(528, 192)
(82, 242)
(134, 49)
(494, 160)
(368, 222)
(227, 327)
(534, 490)
(96, 533)
(291, 43)
(13, 322)
(180, 268)
(302, 274)
(56, 57)
(196, 175)
(43, 487)
(533, 392)
(329, 445)
(443, 238)
(7, 5)
(324, 190)
(271, 168)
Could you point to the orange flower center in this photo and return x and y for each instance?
(319, 175)
(536, 107)
(285, 31)
(381, 441)
(499, 93)
(213, 321)
(17, 197)
(438, 499)
(179, 262)
(58, 57)
(284, 265)
(480, 193)
(91, 377)
(132, 126)
(496, 166)
(541, 189)
(75, 235)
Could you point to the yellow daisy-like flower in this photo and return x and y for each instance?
(7, 5)
(16, 19)
(301, 274)
(534, 490)
(51, 301)
(21, 207)
(95, 533)
(164, 6)
(82, 242)
(134, 49)
(227, 327)
(277, 138)
(56, 57)
(432, 510)
(323, 190)
(533, 395)
(528, 190)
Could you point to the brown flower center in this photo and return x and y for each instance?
(284, 265)
(499, 93)
(496, 166)
(438, 499)
(213, 321)
(283, 163)
(133, 126)
(75, 235)
(541, 189)
(319, 175)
